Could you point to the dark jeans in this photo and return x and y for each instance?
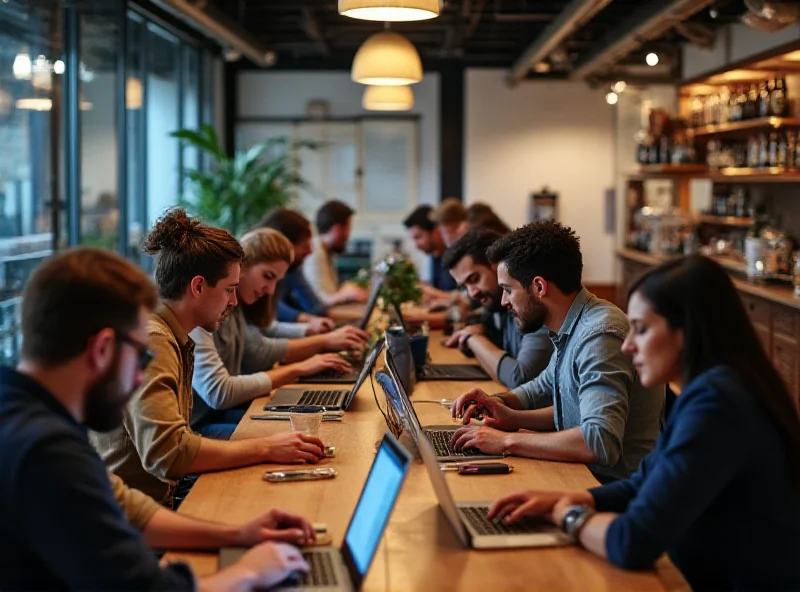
(220, 424)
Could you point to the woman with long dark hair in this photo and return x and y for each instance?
(721, 491)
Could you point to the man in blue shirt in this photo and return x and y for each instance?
(507, 354)
(84, 349)
(588, 404)
(427, 238)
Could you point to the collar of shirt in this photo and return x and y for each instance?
(13, 380)
(574, 313)
(181, 336)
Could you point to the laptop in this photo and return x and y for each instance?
(334, 377)
(346, 568)
(328, 399)
(438, 436)
(448, 371)
(471, 525)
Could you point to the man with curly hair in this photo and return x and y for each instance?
(588, 404)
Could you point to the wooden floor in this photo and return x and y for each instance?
(418, 550)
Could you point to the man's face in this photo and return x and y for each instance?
(217, 302)
(480, 282)
(108, 395)
(341, 234)
(523, 304)
(423, 239)
(452, 232)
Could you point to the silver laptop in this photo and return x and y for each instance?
(469, 519)
(329, 399)
(346, 568)
(438, 435)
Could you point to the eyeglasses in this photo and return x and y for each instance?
(146, 355)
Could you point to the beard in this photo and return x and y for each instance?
(530, 318)
(495, 301)
(106, 400)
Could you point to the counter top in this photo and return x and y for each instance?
(777, 294)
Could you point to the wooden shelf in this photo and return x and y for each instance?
(750, 175)
(732, 221)
(671, 170)
(761, 123)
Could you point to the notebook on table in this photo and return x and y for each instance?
(438, 436)
(345, 568)
(329, 399)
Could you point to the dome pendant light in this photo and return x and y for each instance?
(390, 10)
(388, 98)
(387, 59)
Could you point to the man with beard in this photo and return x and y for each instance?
(588, 404)
(297, 301)
(197, 271)
(84, 329)
(506, 354)
(334, 219)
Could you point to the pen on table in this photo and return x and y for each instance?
(286, 417)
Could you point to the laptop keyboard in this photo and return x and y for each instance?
(320, 572)
(478, 518)
(320, 398)
(440, 440)
(446, 370)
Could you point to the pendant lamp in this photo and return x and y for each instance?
(390, 10)
(388, 98)
(387, 59)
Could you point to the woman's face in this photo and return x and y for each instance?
(259, 280)
(654, 346)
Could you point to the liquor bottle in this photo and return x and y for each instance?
(763, 151)
(783, 151)
(751, 109)
(791, 148)
(735, 109)
(763, 100)
(697, 111)
(778, 97)
(773, 150)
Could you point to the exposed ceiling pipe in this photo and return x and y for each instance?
(648, 23)
(222, 28)
(573, 17)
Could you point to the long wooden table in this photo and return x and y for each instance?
(418, 550)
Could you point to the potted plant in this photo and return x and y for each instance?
(236, 191)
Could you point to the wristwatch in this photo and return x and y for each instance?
(574, 520)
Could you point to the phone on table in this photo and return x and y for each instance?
(480, 469)
(284, 475)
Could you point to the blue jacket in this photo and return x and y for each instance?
(715, 493)
(295, 295)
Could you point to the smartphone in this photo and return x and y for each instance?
(485, 469)
(283, 475)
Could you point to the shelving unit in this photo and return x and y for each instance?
(732, 221)
(750, 125)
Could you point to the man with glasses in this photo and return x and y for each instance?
(84, 330)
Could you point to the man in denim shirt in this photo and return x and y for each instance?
(587, 405)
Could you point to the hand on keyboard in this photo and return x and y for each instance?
(321, 362)
(493, 410)
(487, 440)
(270, 563)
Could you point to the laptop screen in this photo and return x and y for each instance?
(399, 397)
(375, 505)
(373, 298)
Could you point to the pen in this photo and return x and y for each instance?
(286, 417)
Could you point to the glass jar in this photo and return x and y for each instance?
(796, 275)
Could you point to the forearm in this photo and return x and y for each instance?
(511, 400)
(302, 349)
(169, 530)
(487, 354)
(538, 420)
(218, 455)
(283, 375)
(567, 446)
(593, 535)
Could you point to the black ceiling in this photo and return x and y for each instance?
(474, 32)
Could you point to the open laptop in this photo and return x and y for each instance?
(345, 568)
(471, 525)
(334, 377)
(438, 435)
(329, 399)
(448, 371)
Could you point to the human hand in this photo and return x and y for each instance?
(292, 448)
(487, 440)
(320, 325)
(550, 505)
(268, 564)
(322, 362)
(352, 293)
(494, 411)
(458, 338)
(346, 338)
(276, 525)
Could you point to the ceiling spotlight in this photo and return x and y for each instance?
(652, 59)
(619, 86)
(22, 67)
(612, 98)
(58, 67)
(713, 13)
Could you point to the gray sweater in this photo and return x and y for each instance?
(229, 365)
(526, 355)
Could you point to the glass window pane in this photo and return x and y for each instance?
(389, 153)
(99, 35)
(134, 104)
(191, 111)
(163, 118)
(28, 129)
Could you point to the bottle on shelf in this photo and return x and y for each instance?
(773, 150)
(753, 147)
(783, 151)
(763, 151)
(751, 108)
(735, 108)
(777, 97)
(763, 100)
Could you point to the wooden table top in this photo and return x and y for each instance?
(413, 314)
(418, 550)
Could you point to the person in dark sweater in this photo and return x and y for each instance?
(84, 315)
(427, 238)
(720, 493)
